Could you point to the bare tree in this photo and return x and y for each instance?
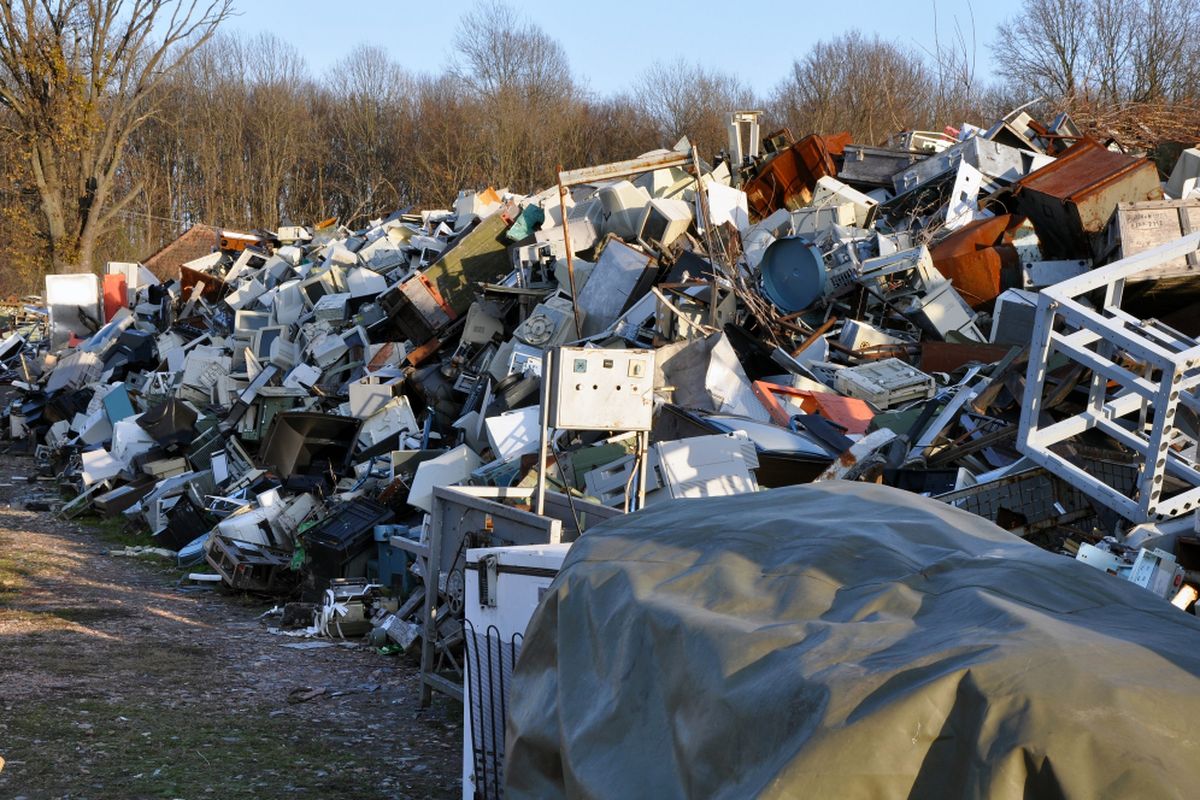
(959, 94)
(79, 76)
(19, 217)
(520, 79)
(1102, 51)
(1163, 50)
(691, 100)
(279, 130)
(1111, 47)
(1045, 47)
(443, 152)
(368, 125)
(616, 128)
(1123, 68)
(867, 86)
(501, 52)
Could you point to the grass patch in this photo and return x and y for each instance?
(126, 749)
(115, 531)
(88, 614)
(117, 534)
(14, 576)
(19, 569)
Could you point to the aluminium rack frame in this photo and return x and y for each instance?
(1155, 371)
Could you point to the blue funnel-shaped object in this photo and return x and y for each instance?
(793, 274)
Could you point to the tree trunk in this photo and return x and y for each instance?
(45, 172)
(56, 232)
(87, 249)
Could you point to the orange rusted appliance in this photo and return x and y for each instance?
(1070, 200)
(236, 242)
(116, 295)
(850, 413)
(788, 179)
(980, 260)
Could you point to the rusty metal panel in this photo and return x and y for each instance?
(788, 179)
(214, 287)
(950, 356)
(1071, 200)
(980, 260)
(415, 311)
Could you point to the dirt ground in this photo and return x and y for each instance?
(118, 682)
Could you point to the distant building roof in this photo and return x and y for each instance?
(198, 240)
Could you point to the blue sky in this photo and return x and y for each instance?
(611, 42)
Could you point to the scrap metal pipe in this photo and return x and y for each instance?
(562, 208)
(622, 169)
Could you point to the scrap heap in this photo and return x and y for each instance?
(290, 407)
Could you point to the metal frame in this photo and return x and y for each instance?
(1044, 501)
(455, 511)
(1140, 413)
(743, 148)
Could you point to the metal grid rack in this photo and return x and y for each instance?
(460, 513)
(1036, 501)
(1155, 371)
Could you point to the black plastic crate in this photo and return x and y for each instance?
(346, 533)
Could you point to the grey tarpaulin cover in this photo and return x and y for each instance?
(846, 640)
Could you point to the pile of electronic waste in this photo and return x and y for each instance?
(949, 313)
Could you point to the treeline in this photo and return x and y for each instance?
(245, 136)
(240, 134)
